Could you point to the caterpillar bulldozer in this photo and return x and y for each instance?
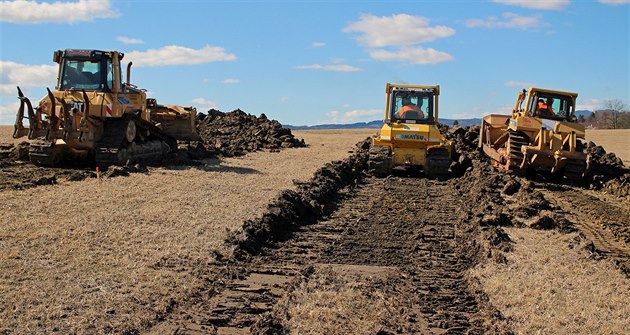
(544, 135)
(410, 137)
(92, 112)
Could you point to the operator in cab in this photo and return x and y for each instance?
(409, 110)
(545, 108)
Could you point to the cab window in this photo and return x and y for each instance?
(81, 74)
(552, 107)
(412, 106)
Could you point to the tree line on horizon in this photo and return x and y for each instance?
(613, 115)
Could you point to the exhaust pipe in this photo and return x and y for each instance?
(129, 73)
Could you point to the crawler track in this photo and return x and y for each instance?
(401, 226)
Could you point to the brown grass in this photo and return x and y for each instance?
(613, 140)
(548, 287)
(109, 254)
(337, 301)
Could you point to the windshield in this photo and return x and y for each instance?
(85, 74)
(412, 106)
(554, 107)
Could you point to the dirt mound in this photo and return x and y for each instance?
(465, 143)
(236, 133)
(607, 171)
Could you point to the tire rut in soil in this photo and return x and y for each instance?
(402, 226)
(602, 221)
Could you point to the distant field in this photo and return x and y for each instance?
(613, 140)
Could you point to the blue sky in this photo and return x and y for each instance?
(311, 62)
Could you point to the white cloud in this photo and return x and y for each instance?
(336, 67)
(511, 20)
(178, 55)
(203, 104)
(129, 40)
(8, 113)
(519, 84)
(614, 2)
(396, 30)
(14, 74)
(589, 104)
(537, 4)
(32, 12)
(414, 55)
(284, 99)
(354, 116)
(317, 44)
(230, 81)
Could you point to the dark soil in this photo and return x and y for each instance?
(237, 133)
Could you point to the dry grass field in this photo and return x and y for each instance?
(613, 140)
(550, 284)
(100, 254)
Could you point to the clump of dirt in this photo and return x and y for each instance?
(236, 133)
(465, 142)
(124, 171)
(607, 172)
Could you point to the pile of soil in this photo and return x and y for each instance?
(465, 144)
(607, 171)
(236, 133)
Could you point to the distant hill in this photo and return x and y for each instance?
(378, 124)
(584, 112)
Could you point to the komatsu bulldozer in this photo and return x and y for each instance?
(93, 112)
(409, 137)
(544, 135)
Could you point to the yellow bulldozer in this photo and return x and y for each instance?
(409, 137)
(93, 112)
(544, 135)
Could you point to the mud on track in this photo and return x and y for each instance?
(393, 239)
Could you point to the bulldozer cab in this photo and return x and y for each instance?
(551, 105)
(412, 106)
(89, 70)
